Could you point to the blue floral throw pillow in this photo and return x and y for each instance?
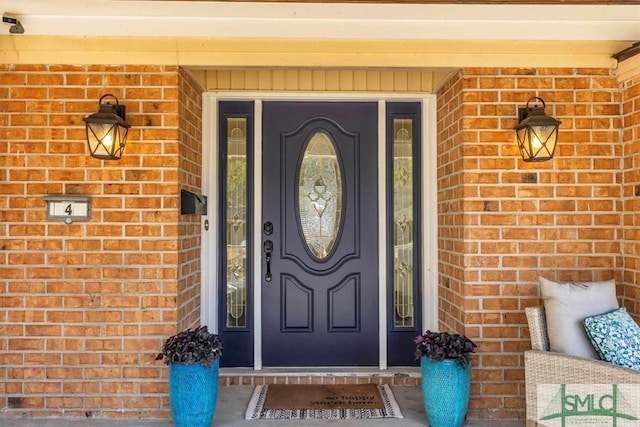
(616, 338)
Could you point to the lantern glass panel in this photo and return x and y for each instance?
(537, 143)
(106, 140)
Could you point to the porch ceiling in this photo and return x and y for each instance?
(327, 21)
(209, 34)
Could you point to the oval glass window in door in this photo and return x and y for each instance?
(320, 195)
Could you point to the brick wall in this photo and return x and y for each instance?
(84, 308)
(559, 219)
(190, 177)
(631, 194)
(450, 210)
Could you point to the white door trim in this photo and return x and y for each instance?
(210, 281)
(257, 238)
(429, 214)
(382, 236)
(209, 222)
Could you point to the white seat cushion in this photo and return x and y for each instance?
(566, 306)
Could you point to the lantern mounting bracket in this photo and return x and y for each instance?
(120, 110)
(523, 112)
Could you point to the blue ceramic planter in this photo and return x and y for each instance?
(193, 391)
(445, 390)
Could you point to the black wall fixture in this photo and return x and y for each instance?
(192, 203)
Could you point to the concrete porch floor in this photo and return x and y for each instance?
(232, 402)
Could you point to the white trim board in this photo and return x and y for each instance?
(326, 20)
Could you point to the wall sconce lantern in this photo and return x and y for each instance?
(107, 130)
(537, 133)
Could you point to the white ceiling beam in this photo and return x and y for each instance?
(326, 21)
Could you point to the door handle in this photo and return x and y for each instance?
(268, 248)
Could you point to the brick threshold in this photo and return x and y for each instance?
(405, 376)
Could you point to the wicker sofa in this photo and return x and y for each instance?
(545, 367)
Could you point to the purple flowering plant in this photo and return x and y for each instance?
(438, 346)
(192, 346)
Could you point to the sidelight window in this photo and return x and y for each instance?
(236, 222)
(403, 207)
(403, 228)
(235, 319)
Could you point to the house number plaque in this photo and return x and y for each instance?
(68, 208)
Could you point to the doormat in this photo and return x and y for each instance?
(322, 401)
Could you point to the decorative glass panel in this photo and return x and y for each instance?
(403, 207)
(236, 194)
(320, 195)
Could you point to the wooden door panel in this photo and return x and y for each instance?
(344, 305)
(296, 305)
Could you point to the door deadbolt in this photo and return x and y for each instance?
(268, 228)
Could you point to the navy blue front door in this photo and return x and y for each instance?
(320, 234)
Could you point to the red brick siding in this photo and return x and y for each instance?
(450, 210)
(190, 178)
(631, 194)
(85, 307)
(559, 219)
